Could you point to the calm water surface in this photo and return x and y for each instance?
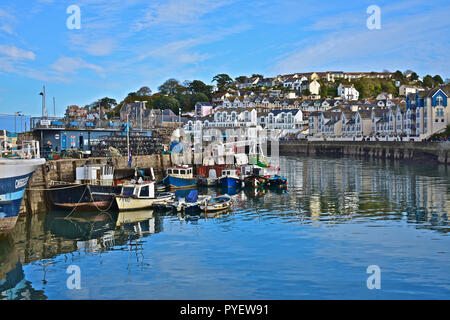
(313, 241)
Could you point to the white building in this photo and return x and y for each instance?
(348, 92)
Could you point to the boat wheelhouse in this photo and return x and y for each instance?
(142, 196)
(180, 177)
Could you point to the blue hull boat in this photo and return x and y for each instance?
(229, 182)
(14, 176)
(179, 183)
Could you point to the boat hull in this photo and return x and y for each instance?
(229, 182)
(82, 197)
(179, 183)
(255, 182)
(125, 203)
(14, 177)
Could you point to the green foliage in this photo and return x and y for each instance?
(437, 79)
(371, 87)
(171, 87)
(414, 76)
(428, 81)
(223, 81)
(160, 101)
(144, 91)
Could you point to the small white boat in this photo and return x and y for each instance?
(219, 203)
(142, 196)
(191, 203)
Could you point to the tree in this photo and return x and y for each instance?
(241, 79)
(197, 86)
(398, 75)
(437, 79)
(414, 76)
(163, 102)
(223, 81)
(306, 92)
(144, 91)
(428, 81)
(171, 87)
(255, 75)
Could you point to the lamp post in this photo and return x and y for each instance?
(179, 115)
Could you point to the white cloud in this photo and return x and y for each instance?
(16, 53)
(6, 22)
(72, 65)
(418, 40)
(96, 47)
(178, 12)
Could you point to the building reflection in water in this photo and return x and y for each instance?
(343, 188)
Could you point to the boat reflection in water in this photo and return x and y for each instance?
(140, 222)
(13, 285)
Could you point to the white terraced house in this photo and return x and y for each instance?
(282, 119)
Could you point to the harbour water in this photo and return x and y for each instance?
(313, 241)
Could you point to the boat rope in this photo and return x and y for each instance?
(61, 188)
(98, 208)
(73, 210)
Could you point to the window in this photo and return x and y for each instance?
(175, 171)
(145, 191)
(128, 191)
(439, 101)
(169, 171)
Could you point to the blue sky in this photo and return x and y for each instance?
(125, 44)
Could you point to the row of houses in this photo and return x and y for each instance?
(302, 81)
(420, 115)
(283, 119)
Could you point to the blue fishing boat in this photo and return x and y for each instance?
(14, 176)
(230, 179)
(180, 177)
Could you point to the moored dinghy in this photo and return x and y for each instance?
(219, 203)
(191, 203)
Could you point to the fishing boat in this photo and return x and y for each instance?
(191, 203)
(15, 172)
(230, 178)
(142, 196)
(180, 177)
(219, 203)
(257, 178)
(93, 189)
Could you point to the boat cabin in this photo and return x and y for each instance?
(95, 174)
(181, 172)
(229, 173)
(142, 191)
